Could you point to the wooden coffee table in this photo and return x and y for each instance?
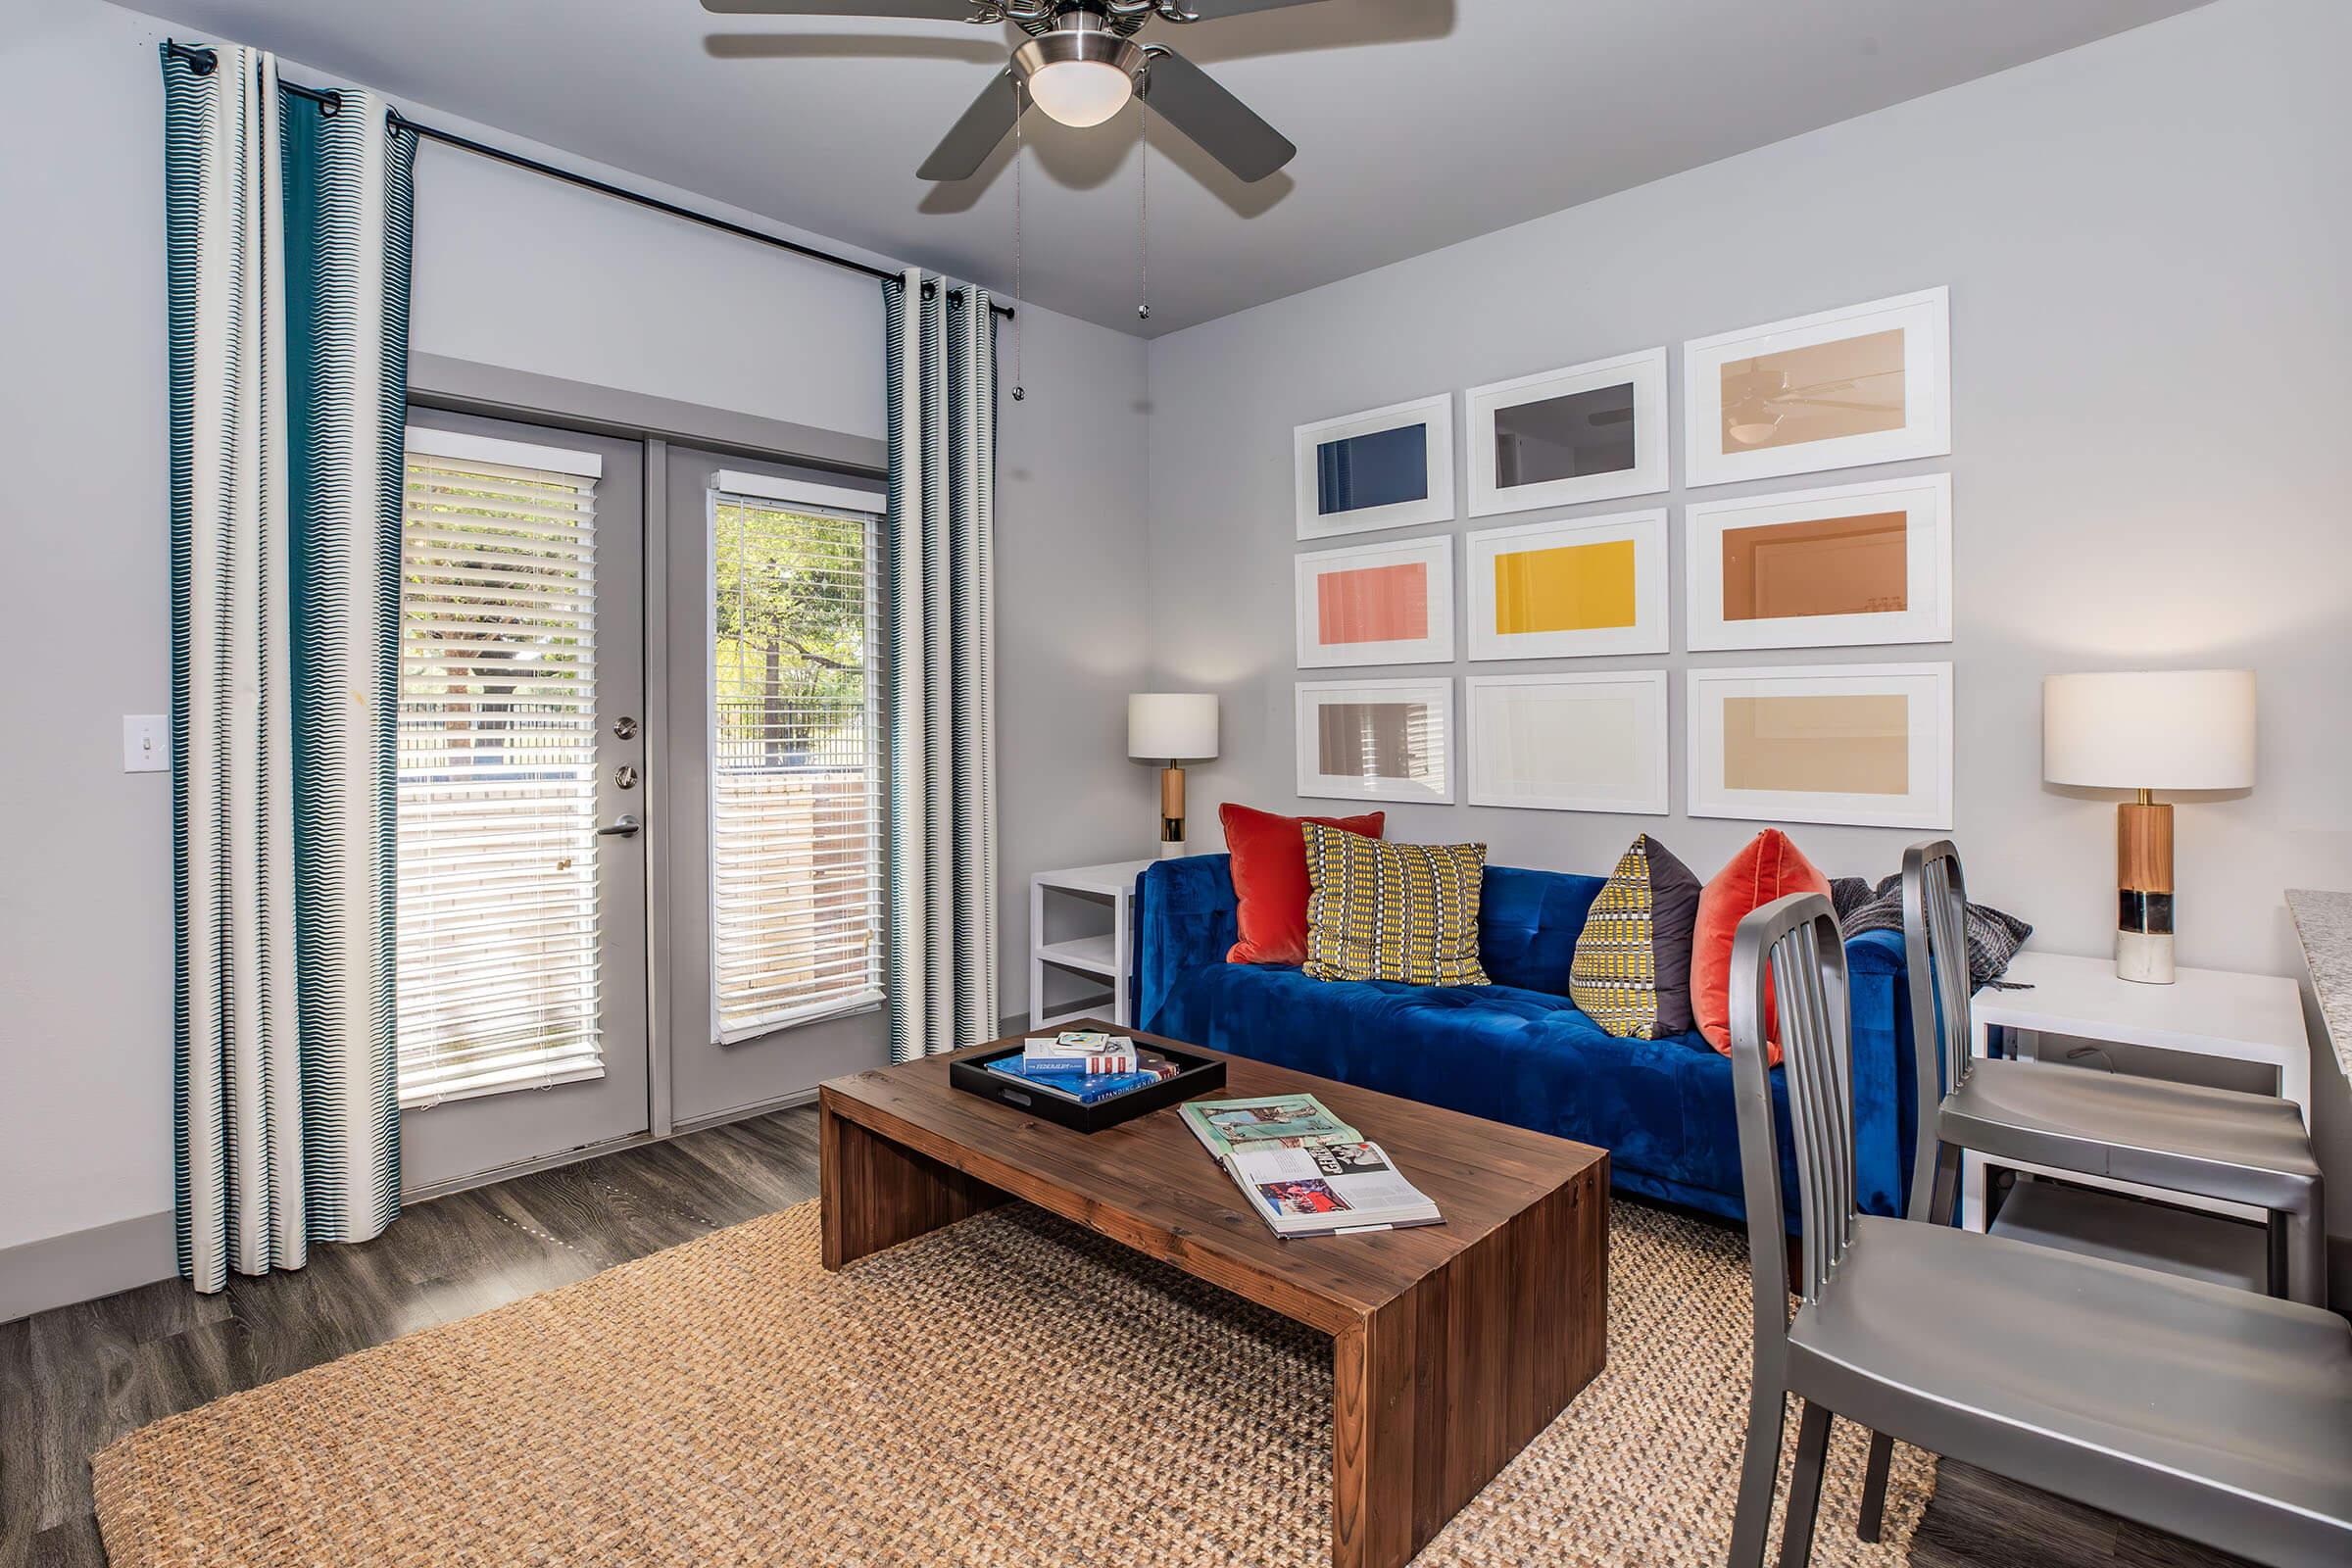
(1453, 1345)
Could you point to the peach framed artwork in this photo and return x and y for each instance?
(1376, 604)
(1376, 739)
(1589, 432)
(1560, 590)
(1864, 744)
(1389, 467)
(1842, 566)
(1567, 743)
(1843, 389)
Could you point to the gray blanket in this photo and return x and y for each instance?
(1993, 938)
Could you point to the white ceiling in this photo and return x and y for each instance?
(1419, 123)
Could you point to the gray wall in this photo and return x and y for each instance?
(2146, 241)
(619, 297)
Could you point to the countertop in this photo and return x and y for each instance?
(2323, 923)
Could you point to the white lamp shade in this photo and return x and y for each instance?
(2162, 729)
(1172, 726)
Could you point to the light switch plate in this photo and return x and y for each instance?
(146, 743)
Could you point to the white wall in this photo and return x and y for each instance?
(510, 270)
(2146, 241)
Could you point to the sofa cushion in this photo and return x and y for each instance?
(1770, 867)
(1392, 911)
(1269, 878)
(1631, 972)
(1663, 1108)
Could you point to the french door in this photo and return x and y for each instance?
(522, 796)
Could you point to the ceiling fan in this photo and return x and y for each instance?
(1080, 66)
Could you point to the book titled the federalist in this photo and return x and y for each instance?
(1304, 1171)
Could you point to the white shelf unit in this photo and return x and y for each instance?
(1102, 955)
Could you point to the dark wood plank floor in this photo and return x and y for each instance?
(74, 1378)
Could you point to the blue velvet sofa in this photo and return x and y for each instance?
(1517, 1050)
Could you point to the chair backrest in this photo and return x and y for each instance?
(1793, 943)
(1935, 957)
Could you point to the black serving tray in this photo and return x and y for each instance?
(1194, 1076)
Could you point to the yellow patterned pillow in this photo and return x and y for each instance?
(1392, 911)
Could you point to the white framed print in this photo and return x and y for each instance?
(1590, 432)
(1567, 743)
(1839, 568)
(1869, 744)
(1843, 389)
(1386, 604)
(1569, 589)
(1389, 467)
(1376, 739)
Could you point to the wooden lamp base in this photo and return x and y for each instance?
(2143, 877)
(1171, 812)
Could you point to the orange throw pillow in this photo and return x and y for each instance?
(1769, 868)
(1269, 878)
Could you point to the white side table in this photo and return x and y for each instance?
(1102, 955)
(2204, 1013)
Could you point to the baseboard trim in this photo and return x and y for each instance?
(85, 1265)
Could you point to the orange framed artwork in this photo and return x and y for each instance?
(1842, 566)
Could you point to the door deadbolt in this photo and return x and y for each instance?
(625, 728)
(625, 776)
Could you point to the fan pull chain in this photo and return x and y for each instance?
(1020, 393)
(1143, 177)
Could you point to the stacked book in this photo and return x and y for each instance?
(1304, 1171)
(1083, 1064)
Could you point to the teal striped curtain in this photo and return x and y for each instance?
(939, 818)
(289, 231)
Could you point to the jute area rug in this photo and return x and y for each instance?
(1013, 1391)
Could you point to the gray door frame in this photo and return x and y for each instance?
(659, 425)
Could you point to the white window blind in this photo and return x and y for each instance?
(497, 934)
(796, 878)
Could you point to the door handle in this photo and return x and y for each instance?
(623, 827)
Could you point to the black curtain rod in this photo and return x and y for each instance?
(203, 60)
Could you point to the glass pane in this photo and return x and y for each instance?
(1379, 469)
(495, 937)
(794, 860)
(1858, 566)
(1846, 745)
(1377, 740)
(1566, 588)
(1821, 392)
(1565, 437)
(1562, 741)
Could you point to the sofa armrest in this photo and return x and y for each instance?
(1184, 918)
(1884, 1071)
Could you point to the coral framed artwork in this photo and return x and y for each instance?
(1386, 604)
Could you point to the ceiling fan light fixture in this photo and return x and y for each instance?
(1753, 432)
(1079, 77)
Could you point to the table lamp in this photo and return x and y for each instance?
(1169, 727)
(2148, 730)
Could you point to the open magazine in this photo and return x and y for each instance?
(1303, 1170)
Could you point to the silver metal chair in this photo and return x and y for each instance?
(2210, 1412)
(2215, 1143)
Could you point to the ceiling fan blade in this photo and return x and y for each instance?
(923, 10)
(1211, 10)
(1227, 129)
(967, 144)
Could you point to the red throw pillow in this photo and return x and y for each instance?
(1769, 868)
(1269, 878)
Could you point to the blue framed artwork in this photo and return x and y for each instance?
(1389, 467)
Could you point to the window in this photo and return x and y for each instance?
(497, 934)
(796, 876)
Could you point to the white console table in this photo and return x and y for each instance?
(1102, 955)
(2205, 1013)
